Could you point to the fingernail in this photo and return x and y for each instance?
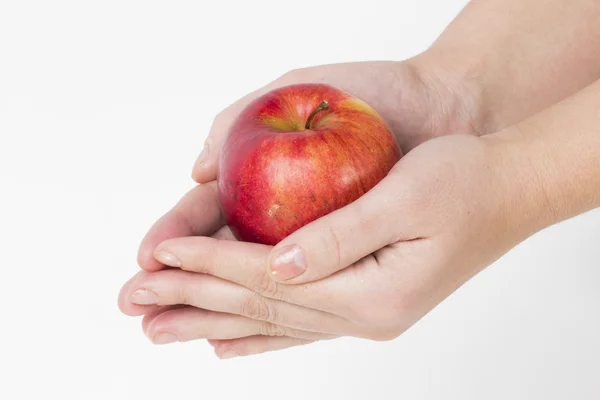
(144, 297)
(288, 262)
(229, 353)
(165, 338)
(167, 258)
(205, 152)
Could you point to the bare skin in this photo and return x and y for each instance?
(466, 194)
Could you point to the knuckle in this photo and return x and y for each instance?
(200, 255)
(258, 308)
(204, 254)
(267, 287)
(183, 294)
(269, 329)
(179, 289)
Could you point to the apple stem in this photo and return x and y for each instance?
(323, 105)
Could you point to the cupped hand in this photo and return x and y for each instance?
(417, 104)
(439, 217)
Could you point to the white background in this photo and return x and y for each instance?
(104, 106)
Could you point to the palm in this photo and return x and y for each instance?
(417, 105)
(417, 108)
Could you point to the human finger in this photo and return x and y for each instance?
(191, 323)
(253, 345)
(208, 292)
(197, 213)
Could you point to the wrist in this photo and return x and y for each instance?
(525, 177)
(455, 93)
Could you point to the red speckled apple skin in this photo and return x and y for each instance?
(276, 176)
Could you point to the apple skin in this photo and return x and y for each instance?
(276, 176)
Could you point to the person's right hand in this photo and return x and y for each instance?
(417, 103)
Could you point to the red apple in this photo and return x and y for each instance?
(296, 154)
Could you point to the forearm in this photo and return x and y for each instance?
(551, 161)
(519, 57)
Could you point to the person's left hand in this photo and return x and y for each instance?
(372, 269)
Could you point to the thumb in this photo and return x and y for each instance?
(205, 167)
(339, 239)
